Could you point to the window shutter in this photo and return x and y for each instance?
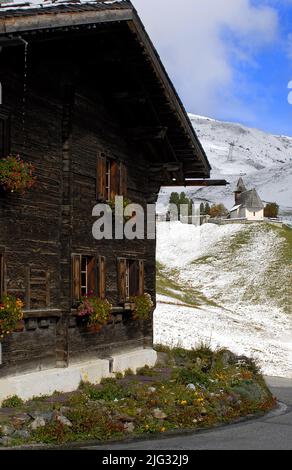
(141, 277)
(76, 278)
(122, 266)
(92, 275)
(101, 178)
(115, 179)
(123, 180)
(101, 277)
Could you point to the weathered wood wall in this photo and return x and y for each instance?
(61, 133)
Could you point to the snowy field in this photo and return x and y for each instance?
(234, 267)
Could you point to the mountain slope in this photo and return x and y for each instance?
(264, 161)
(230, 286)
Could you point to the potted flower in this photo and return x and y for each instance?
(142, 306)
(94, 311)
(16, 176)
(11, 315)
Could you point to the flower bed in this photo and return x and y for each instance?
(187, 390)
(16, 175)
(10, 315)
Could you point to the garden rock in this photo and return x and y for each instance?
(227, 358)
(20, 419)
(152, 389)
(63, 420)
(5, 441)
(159, 414)
(64, 409)
(251, 391)
(191, 387)
(6, 430)
(22, 434)
(129, 427)
(39, 422)
(125, 418)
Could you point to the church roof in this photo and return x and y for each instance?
(251, 200)
(240, 186)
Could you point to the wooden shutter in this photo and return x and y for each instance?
(133, 277)
(122, 267)
(101, 178)
(123, 180)
(92, 275)
(76, 278)
(115, 179)
(101, 277)
(141, 277)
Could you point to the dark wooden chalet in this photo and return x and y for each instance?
(85, 98)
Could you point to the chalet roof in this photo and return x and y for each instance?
(172, 133)
(251, 200)
(240, 187)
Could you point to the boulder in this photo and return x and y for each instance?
(6, 430)
(38, 422)
(159, 414)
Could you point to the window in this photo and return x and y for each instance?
(111, 178)
(4, 133)
(88, 275)
(131, 278)
(1, 275)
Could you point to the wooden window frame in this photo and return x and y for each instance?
(95, 276)
(111, 178)
(124, 278)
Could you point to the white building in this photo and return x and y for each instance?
(248, 204)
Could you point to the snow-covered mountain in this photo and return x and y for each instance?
(264, 161)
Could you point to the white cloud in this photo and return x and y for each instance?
(200, 42)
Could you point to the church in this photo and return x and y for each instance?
(248, 204)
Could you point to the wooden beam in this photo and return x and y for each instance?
(199, 182)
(127, 97)
(147, 133)
(170, 166)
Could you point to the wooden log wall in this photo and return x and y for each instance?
(64, 128)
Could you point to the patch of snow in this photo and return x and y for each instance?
(243, 319)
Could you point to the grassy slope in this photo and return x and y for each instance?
(254, 266)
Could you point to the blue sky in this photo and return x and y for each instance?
(229, 59)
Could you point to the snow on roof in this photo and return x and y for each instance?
(234, 208)
(29, 4)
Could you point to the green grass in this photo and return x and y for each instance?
(168, 286)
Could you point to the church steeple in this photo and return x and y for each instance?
(240, 188)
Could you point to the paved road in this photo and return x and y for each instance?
(272, 432)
